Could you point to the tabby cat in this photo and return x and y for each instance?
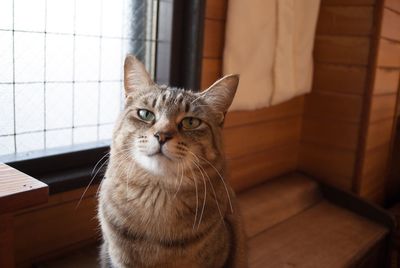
(164, 201)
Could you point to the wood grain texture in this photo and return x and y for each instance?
(333, 106)
(382, 107)
(213, 43)
(216, 9)
(339, 78)
(7, 240)
(379, 133)
(56, 226)
(376, 162)
(261, 136)
(286, 109)
(255, 168)
(211, 71)
(393, 4)
(391, 24)
(388, 54)
(344, 20)
(348, 2)
(341, 49)
(332, 165)
(386, 81)
(18, 190)
(332, 133)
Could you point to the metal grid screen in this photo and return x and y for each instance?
(61, 68)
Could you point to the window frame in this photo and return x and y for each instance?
(67, 170)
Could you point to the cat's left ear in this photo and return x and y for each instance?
(135, 75)
(220, 94)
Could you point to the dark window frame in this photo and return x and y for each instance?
(68, 170)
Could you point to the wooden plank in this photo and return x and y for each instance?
(393, 4)
(382, 107)
(289, 108)
(375, 163)
(390, 24)
(342, 49)
(379, 133)
(54, 228)
(330, 133)
(345, 20)
(334, 106)
(252, 169)
(347, 2)
(388, 54)
(339, 78)
(386, 81)
(331, 165)
(18, 190)
(210, 72)
(6, 240)
(216, 9)
(213, 38)
(252, 138)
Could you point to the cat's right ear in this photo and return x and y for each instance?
(135, 75)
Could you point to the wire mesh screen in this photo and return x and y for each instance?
(61, 68)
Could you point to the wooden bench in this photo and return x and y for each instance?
(17, 191)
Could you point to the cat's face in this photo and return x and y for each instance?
(169, 130)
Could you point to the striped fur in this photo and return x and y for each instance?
(167, 204)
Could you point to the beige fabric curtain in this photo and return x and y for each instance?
(269, 43)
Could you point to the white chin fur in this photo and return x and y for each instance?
(157, 164)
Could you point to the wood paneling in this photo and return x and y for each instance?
(348, 2)
(213, 44)
(379, 133)
(393, 4)
(332, 165)
(339, 78)
(286, 109)
(390, 25)
(342, 49)
(211, 72)
(251, 138)
(345, 20)
(342, 107)
(388, 54)
(386, 81)
(216, 9)
(330, 133)
(252, 169)
(49, 228)
(382, 107)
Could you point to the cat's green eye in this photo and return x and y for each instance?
(190, 123)
(146, 115)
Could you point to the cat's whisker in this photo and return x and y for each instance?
(205, 196)
(180, 182)
(213, 190)
(197, 197)
(107, 154)
(220, 176)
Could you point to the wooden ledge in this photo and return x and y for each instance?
(18, 190)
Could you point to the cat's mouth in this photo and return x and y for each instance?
(159, 153)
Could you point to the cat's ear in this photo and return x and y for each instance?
(220, 94)
(135, 75)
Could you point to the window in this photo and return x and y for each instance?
(61, 61)
(61, 73)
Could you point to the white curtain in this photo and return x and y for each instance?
(269, 43)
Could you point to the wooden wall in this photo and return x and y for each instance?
(53, 229)
(333, 111)
(380, 108)
(260, 144)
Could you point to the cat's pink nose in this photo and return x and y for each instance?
(163, 137)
